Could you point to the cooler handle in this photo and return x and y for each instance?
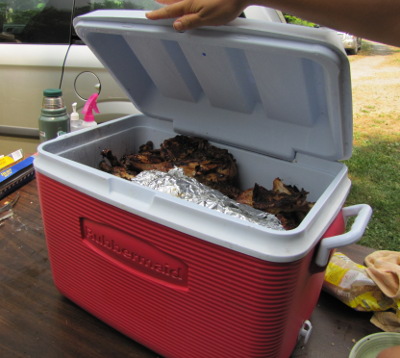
(363, 213)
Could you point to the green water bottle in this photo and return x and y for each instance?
(54, 119)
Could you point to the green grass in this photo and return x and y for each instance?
(374, 167)
(374, 170)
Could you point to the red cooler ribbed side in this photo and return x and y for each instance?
(174, 293)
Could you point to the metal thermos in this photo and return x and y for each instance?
(54, 119)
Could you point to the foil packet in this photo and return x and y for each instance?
(175, 183)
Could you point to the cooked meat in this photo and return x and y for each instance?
(214, 167)
(107, 154)
(246, 197)
(199, 159)
(113, 166)
(146, 161)
(287, 202)
(117, 171)
(148, 147)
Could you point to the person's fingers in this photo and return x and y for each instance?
(188, 22)
(170, 11)
(202, 18)
(167, 2)
(190, 14)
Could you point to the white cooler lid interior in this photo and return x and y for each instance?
(275, 89)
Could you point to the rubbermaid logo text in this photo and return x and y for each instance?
(133, 253)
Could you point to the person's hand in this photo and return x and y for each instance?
(195, 13)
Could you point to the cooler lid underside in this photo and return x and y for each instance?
(275, 89)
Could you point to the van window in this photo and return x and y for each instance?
(85, 6)
(35, 21)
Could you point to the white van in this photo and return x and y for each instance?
(40, 49)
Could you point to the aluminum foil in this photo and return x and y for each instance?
(181, 186)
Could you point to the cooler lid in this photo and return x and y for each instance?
(271, 88)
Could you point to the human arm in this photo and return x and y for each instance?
(377, 20)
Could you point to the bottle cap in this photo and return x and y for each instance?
(52, 92)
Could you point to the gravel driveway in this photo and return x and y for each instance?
(375, 73)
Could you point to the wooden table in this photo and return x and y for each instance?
(37, 321)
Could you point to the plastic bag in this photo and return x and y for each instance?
(350, 283)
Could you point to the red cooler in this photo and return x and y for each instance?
(185, 280)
